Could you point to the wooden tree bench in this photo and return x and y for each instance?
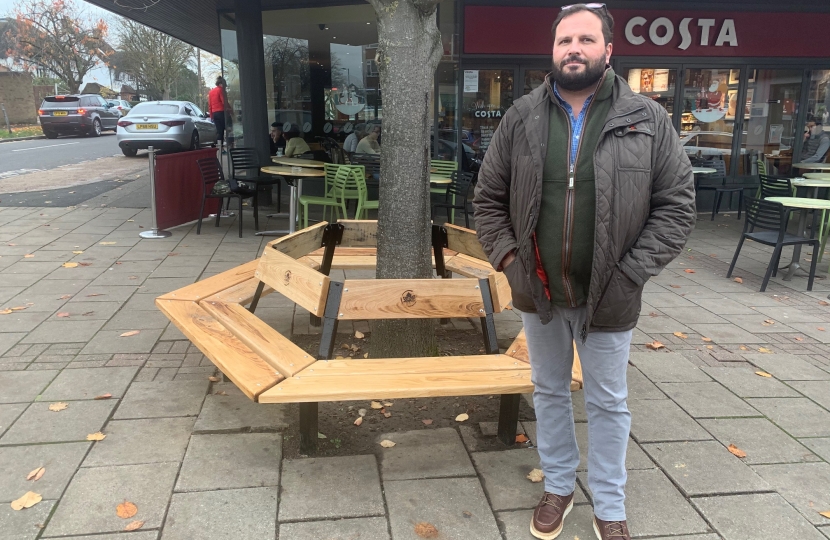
(269, 368)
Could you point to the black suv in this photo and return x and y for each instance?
(87, 114)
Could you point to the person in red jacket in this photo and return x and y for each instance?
(217, 105)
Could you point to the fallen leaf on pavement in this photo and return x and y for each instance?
(97, 436)
(26, 501)
(6, 312)
(674, 286)
(63, 314)
(825, 514)
(36, 474)
(706, 339)
(28, 256)
(764, 350)
(358, 420)
(321, 436)
(376, 405)
(77, 252)
(536, 476)
(104, 396)
(653, 314)
(820, 329)
(681, 335)
(20, 308)
(427, 421)
(763, 374)
(94, 294)
(798, 338)
(70, 265)
(361, 412)
(385, 413)
(134, 526)
(738, 280)
(426, 530)
(130, 333)
(107, 243)
(823, 303)
(387, 403)
(768, 322)
(220, 393)
(57, 407)
(736, 451)
(743, 348)
(65, 297)
(520, 438)
(386, 443)
(358, 335)
(126, 510)
(655, 345)
(213, 379)
(463, 417)
(689, 271)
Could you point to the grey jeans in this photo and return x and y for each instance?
(604, 359)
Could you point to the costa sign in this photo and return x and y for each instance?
(661, 31)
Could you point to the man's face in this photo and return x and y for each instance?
(579, 51)
(814, 129)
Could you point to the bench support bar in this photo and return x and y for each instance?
(332, 237)
(257, 296)
(308, 428)
(439, 242)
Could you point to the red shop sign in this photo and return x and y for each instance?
(526, 30)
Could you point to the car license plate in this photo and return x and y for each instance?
(59, 113)
(146, 126)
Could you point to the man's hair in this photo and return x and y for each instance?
(604, 16)
(814, 119)
(276, 125)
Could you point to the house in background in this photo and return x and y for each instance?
(103, 91)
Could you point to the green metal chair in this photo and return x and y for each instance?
(335, 197)
(363, 202)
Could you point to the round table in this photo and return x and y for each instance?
(703, 170)
(813, 184)
(294, 177)
(298, 162)
(817, 175)
(812, 166)
(438, 179)
(805, 205)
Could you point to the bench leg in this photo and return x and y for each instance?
(508, 418)
(308, 428)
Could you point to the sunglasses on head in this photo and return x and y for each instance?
(589, 6)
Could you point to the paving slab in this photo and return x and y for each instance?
(134, 535)
(9, 413)
(109, 341)
(746, 383)
(723, 306)
(456, 507)
(88, 383)
(223, 515)
(635, 458)
(351, 485)
(819, 445)
(137, 320)
(639, 387)
(88, 506)
(759, 323)
(516, 524)
(20, 525)
(133, 442)
(799, 417)
(162, 398)
(728, 334)
(803, 485)
(341, 529)
(762, 440)
(504, 478)
(235, 412)
(227, 461)
(23, 321)
(812, 330)
(85, 311)
(59, 460)
(662, 324)
(705, 468)
(818, 391)
(414, 457)
(40, 425)
(707, 400)
(667, 367)
(755, 516)
(788, 367)
(23, 386)
(655, 420)
(64, 332)
(693, 315)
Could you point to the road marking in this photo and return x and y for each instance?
(47, 146)
(9, 174)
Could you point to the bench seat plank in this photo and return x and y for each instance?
(244, 367)
(441, 364)
(242, 293)
(214, 284)
(294, 280)
(410, 299)
(301, 389)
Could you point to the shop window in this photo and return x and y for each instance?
(488, 93)
(708, 121)
(817, 118)
(656, 83)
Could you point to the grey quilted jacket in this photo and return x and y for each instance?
(645, 204)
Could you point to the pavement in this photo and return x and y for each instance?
(199, 460)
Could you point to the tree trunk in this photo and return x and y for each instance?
(409, 50)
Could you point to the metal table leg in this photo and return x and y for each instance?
(795, 264)
(294, 185)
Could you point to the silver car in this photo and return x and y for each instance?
(121, 105)
(165, 125)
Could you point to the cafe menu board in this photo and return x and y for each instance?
(661, 80)
(470, 80)
(634, 79)
(486, 136)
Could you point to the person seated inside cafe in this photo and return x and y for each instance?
(295, 145)
(276, 139)
(816, 142)
(369, 144)
(351, 142)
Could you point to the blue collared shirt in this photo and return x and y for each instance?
(577, 124)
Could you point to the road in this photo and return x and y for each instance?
(22, 157)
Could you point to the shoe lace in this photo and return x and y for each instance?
(615, 529)
(554, 500)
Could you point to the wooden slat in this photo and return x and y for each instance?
(464, 241)
(244, 367)
(301, 242)
(340, 251)
(476, 268)
(359, 233)
(503, 295)
(277, 350)
(294, 280)
(435, 364)
(410, 299)
(347, 262)
(365, 387)
(242, 293)
(214, 284)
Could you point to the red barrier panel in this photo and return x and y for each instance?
(179, 188)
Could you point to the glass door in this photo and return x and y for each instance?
(487, 94)
(658, 83)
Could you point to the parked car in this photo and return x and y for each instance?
(165, 125)
(122, 105)
(85, 114)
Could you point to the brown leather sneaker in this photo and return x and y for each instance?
(549, 516)
(611, 530)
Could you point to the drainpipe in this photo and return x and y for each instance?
(6, 118)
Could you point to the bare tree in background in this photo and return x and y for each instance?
(55, 37)
(409, 50)
(154, 58)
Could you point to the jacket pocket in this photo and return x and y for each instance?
(620, 304)
(519, 286)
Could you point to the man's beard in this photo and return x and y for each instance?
(576, 81)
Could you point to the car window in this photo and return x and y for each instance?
(155, 108)
(197, 110)
(101, 101)
(59, 102)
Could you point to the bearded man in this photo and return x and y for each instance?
(585, 193)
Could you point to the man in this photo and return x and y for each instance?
(350, 144)
(816, 142)
(217, 104)
(584, 194)
(276, 141)
(369, 144)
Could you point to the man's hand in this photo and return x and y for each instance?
(509, 258)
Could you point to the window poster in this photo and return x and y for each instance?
(661, 80)
(470, 80)
(634, 79)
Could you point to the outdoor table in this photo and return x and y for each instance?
(817, 175)
(438, 179)
(805, 205)
(813, 184)
(812, 166)
(294, 177)
(297, 162)
(703, 170)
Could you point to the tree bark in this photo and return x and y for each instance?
(409, 50)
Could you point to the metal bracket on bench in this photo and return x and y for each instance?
(439, 242)
(257, 296)
(332, 237)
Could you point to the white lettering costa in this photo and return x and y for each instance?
(661, 31)
(488, 114)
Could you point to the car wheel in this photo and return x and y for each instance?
(96, 128)
(129, 152)
(50, 134)
(194, 141)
